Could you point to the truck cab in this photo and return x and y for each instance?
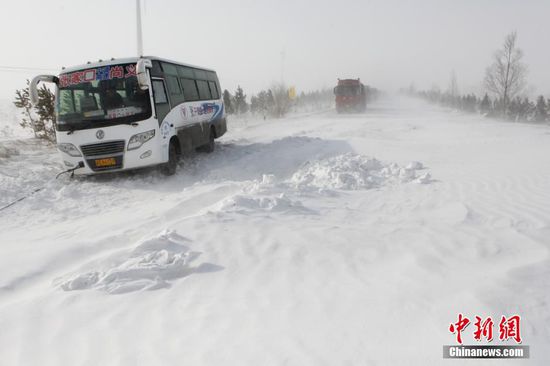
(350, 96)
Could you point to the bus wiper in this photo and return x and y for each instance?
(134, 124)
(73, 127)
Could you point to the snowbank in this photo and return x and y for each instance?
(352, 172)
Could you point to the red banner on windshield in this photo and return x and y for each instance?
(100, 73)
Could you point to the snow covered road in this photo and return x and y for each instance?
(314, 240)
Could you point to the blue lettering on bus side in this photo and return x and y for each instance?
(205, 109)
(102, 73)
(212, 108)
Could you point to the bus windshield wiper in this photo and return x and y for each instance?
(73, 126)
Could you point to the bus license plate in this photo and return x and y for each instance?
(105, 162)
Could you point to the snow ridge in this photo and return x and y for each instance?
(353, 172)
(148, 266)
(326, 176)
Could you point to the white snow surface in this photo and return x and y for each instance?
(319, 239)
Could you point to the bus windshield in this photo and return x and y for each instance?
(100, 97)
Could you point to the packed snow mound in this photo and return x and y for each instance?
(242, 203)
(271, 194)
(351, 172)
(149, 266)
(415, 165)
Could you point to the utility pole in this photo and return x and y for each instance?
(138, 23)
(283, 54)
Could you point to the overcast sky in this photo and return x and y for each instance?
(388, 44)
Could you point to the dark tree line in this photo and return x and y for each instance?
(276, 101)
(518, 109)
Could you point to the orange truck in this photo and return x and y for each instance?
(351, 96)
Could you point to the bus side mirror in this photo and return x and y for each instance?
(143, 79)
(33, 87)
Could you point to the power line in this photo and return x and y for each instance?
(22, 69)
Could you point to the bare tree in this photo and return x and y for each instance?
(507, 75)
(281, 101)
(453, 85)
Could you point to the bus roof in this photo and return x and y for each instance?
(127, 60)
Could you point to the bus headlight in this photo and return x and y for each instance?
(137, 140)
(68, 149)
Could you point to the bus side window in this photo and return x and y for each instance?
(200, 74)
(176, 96)
(159, 92)
(189, 89)
(213, 90)
(204, 92)
(157, 69)
(211, 75)
(161, 101)
(186, 72)
(169, 68)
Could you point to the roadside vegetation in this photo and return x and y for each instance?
(505, 85)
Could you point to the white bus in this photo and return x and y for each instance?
(135, 112)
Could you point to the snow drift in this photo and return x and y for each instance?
(151, 265)
(317, 245)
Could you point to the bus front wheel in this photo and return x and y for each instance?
(169, 168)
